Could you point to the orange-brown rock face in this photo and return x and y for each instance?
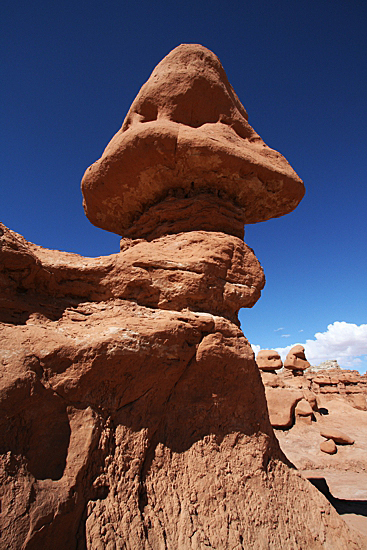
(133, 413)
(269, 360)
(200, 271)
(135, 426)
(187, 134)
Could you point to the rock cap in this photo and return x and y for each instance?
(296, 359)
(337, 436)
(187, 133)
(268, 360)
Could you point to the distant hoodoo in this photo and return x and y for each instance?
(269, 360)
(296, 359)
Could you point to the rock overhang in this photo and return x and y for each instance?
(186, 133)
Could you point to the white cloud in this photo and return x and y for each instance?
(255, 349)
(278, 329)
(345, 342)
(301, 330)
(285, 335)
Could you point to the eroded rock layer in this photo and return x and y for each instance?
(126, 425)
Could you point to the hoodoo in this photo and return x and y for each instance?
(187, 135)
(133, 412)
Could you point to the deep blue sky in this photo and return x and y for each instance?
(70, 71)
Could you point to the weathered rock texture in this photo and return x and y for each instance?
(320, 420)
(187, 134)
(269, 360)
(209, 272)
(134, 426)
(133, 413)
(296, 359)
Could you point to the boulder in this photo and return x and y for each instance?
(303, 412)
(328, 447)
(337, 436)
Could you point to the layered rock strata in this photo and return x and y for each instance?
(133, 413)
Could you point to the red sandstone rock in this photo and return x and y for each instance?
(311, 398)
(359, 402)
(302, 445)
(126, 424)
(268, 360)
(347, 385)
(303, 408)
(303, 412)
(328, 447)
(133, 413)
(337, 436)
(271, 379)
(281, 404)
(214, 272)
(346, 469)
(296, 359)
(187, 134)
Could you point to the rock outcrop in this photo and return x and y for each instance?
(296, 359)
(269, 360)
(133, 413)
(322, 429)
(286, 388)
(348, 385)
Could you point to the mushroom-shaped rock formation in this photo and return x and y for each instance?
(136, 361)
(303, 412)
(186, 158)
(296, 359)
(269, 360)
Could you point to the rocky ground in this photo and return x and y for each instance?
(341, 405)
